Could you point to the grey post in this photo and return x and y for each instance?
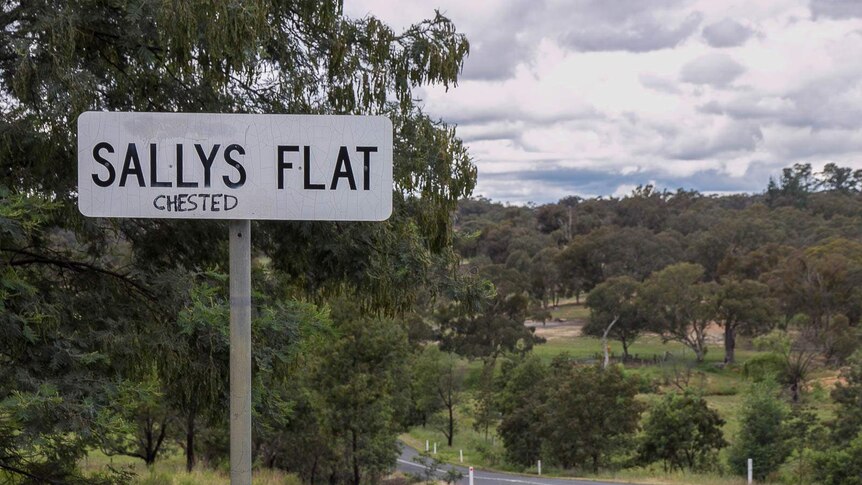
(240, 352)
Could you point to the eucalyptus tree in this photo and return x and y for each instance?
(356, 381)
(614, 312)
(680, 305)
(821, 281)
(441, 380)
(78, 291)
(743, 307)
(195, 362)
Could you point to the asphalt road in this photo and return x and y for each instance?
(407, 465)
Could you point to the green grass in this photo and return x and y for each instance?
(570, 311)
(480, 451)
(645, 348)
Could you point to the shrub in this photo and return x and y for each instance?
(841, 466)
(591, 415)
(682, 432)
(762, 436)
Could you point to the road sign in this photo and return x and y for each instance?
(235, 166)
(238, 167)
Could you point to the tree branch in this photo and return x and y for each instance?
(78, 266)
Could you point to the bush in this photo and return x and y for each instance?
(763, 367)
(848, 396)
(522, 390)
(841, 466)
(762, 436)
(590, 416)
(682, 432)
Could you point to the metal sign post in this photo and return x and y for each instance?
(240, 352)
(239, 167)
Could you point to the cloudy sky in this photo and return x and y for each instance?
(592, 97)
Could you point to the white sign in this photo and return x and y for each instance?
(235, 166)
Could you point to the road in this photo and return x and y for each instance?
(407, 465)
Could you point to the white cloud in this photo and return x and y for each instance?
(591, 97)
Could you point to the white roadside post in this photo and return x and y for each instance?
(461, 455)
(435, 447)
(236, 167)
(750, 471)
(427, 446)
(539, 466)
(471, 475)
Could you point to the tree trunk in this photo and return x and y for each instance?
(190, 442)
(153, 448)
(625, 349)
(356, 474)
(607, 360)
(451, 426)
(729, 344)
(149, 459)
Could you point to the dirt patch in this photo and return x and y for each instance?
(829, 382)
(559, 329)
(553, 330)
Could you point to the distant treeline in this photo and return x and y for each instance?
(675, 262)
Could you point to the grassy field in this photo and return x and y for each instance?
(723, 387)
(569, 310)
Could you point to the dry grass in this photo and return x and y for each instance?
(170, 470)
(559, 330)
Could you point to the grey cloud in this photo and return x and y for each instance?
(657, 83)
(818, 144)
(836, 9)
(714, 69)
(823, 104)
(732, 138)
(495, 59)
(509, 36)
(576, 181)
(504, 112)
(643, 33)
(749, 106)
(726, 33)
(490, 132)
(617, 11)
(498, 43)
